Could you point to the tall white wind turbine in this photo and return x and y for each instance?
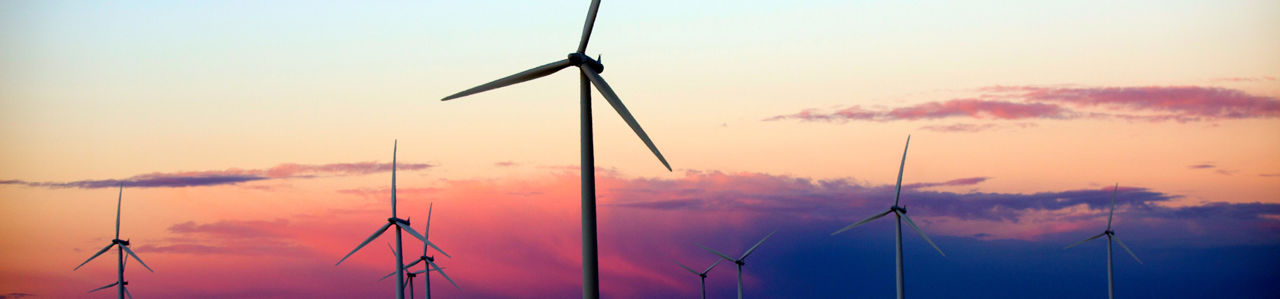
(1111, 235)
(900, 213)
(122, 248)
(589, 71)
(702, 275)
(740, 261)
(400, 224)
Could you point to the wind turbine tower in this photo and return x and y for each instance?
(1111, 235)
(589, 74)
(400, 224)
(122, 248)
(900, 213)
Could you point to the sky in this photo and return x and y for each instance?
(255, 142)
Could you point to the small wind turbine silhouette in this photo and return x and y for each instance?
(900, 213)
(740, 261)
(702, 275)
(399, 224)
(429, 259)
(122, 247)
(589, 70)
(1111, 290)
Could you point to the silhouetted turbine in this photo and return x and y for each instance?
(399, 224)
(740, 261)
(702, 275)
(1111, 290)
(589, 70)
(900, 213)
(122, 248)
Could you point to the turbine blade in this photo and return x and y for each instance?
(686, 268)
(1085, 240)
(586, 28)
(126, 292)
(922, 235)
(427, 230)
(366, 242)
(119, 199)
(429, 270)
(392, 248)
(1126, 249)
(424, 239)
(898, 190)
(410, 265)
(136, 258)
(863, 221)
(394, 147)
(530, 74)
(713, 251)
(713, 265)
(614, 101)
(446, 276)
(95, 255)
(753, 247)
(388, 276)
(1113, 205)
(105, 286)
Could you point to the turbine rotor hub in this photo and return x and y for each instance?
(1110, 232)
(703, 275)
(394, 220)
(121, 242)
(899, 209)
(740, 262)
(582, 60)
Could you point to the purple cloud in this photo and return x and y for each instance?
(229, 176)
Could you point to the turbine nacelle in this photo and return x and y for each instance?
(394, 220)
(899, 209)
(121, 242)
(740, 262)
(1110, 232)
(582, 60)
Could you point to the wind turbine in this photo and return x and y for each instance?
(1111, 289)
(740, 261)
(400, 224)
(122, 247)
(589, 71)
(429, 259)
(899, 213)
(702, 275)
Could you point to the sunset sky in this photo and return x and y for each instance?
(255, 140)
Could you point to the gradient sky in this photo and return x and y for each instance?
(255, 140)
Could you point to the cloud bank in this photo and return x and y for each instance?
(229, 176)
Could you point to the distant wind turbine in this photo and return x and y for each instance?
(900, 213)
(400, 224)
(122, 247)
(1111, 289)
(702, 275)
(740, 261)
(431, 265)
(589, 70)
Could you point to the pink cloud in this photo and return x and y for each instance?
(1002, 103)
(972, 108)
(1186, 101)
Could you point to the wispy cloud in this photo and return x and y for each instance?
(1003, 103)
(254, 238)
(228, 176)
(1244, 79)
